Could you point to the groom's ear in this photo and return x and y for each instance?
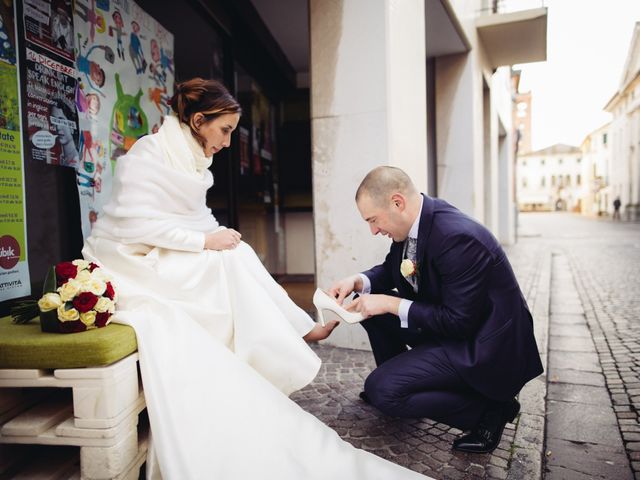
(398, 202)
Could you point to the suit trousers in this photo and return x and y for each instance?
(417, 382)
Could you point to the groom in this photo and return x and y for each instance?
(447, 290)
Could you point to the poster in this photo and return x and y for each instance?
(52, 120)
(48, 24)
(124, 61)
(14, 269)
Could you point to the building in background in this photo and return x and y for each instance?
(521, 116)
(550, 179)
(596, 162)
(625, 135)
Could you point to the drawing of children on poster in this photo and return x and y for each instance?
(123, 90)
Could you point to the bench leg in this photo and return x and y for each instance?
(102, 463)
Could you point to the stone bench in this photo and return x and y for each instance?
(70, 390)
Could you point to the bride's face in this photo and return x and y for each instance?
(217, 132)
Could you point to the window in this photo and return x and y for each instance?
(524, 182)
(543, 182)
(542, 162)
(524, 163)
(559, 161)
(568, 180)
(604, 138)
(553, 180)
(578, 179)
(578, 160)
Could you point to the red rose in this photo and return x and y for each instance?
(72, 327)
(109, 292)
(102, 319)
(93, 266)
(85, 301)
(65, 271)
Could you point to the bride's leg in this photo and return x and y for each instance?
(318, 332)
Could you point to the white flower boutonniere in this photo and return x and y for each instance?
(408, 268)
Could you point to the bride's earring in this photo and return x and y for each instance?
(323, 302)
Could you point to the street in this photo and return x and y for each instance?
(579, 419)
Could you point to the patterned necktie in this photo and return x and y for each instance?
(411, 249)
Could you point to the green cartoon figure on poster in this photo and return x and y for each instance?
(128, 122)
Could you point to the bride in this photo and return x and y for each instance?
(221, 345)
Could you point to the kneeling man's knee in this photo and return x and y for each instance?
(384, 393)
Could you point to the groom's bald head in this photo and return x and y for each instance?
(382, 183)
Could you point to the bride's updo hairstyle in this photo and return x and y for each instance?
(209, 97)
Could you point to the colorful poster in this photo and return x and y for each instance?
(124, 60)
(52, 120)
(14, 269)
(48, 24)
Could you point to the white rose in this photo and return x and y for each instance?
(98, 274)
(49, 301)
(81, 264)
(67, 315)
(88, 318)
(407, 268)
(104, 305)
(69, 290)
(83, 276)
(95, 286)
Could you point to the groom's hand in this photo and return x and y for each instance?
(343, 288)
(370, 305)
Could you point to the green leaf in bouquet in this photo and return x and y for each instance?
(50, 283)
(25, 311)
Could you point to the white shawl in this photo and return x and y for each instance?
(159, 196)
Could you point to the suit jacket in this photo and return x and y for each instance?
(468, 300)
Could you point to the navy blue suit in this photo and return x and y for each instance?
(470, 330)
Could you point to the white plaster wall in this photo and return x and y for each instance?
(368, 109)
(455, 142)
(299, 241)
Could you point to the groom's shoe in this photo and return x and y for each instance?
(365, 398)
(487, 434)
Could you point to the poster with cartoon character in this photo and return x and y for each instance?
(124, 61)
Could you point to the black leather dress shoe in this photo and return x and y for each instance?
(365, 398)
(487, 434)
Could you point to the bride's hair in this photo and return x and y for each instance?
(209, 97)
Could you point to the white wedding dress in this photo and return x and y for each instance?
(220, 343)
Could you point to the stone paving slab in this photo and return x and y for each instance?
(589, 461)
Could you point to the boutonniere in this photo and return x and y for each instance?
(408, 268)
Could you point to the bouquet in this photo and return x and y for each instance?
(77, 296)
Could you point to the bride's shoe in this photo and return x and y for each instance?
(323, 301)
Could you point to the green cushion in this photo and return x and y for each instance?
(25, 346)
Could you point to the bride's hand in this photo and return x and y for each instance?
(226, 239)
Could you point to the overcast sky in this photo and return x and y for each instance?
(587, 45)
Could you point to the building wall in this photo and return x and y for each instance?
(550, 181)
(368, 109)
(625, 150)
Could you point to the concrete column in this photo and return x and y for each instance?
(368, 108)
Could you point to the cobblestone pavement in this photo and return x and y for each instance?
(563, 262)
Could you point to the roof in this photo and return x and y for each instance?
(557, 149)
